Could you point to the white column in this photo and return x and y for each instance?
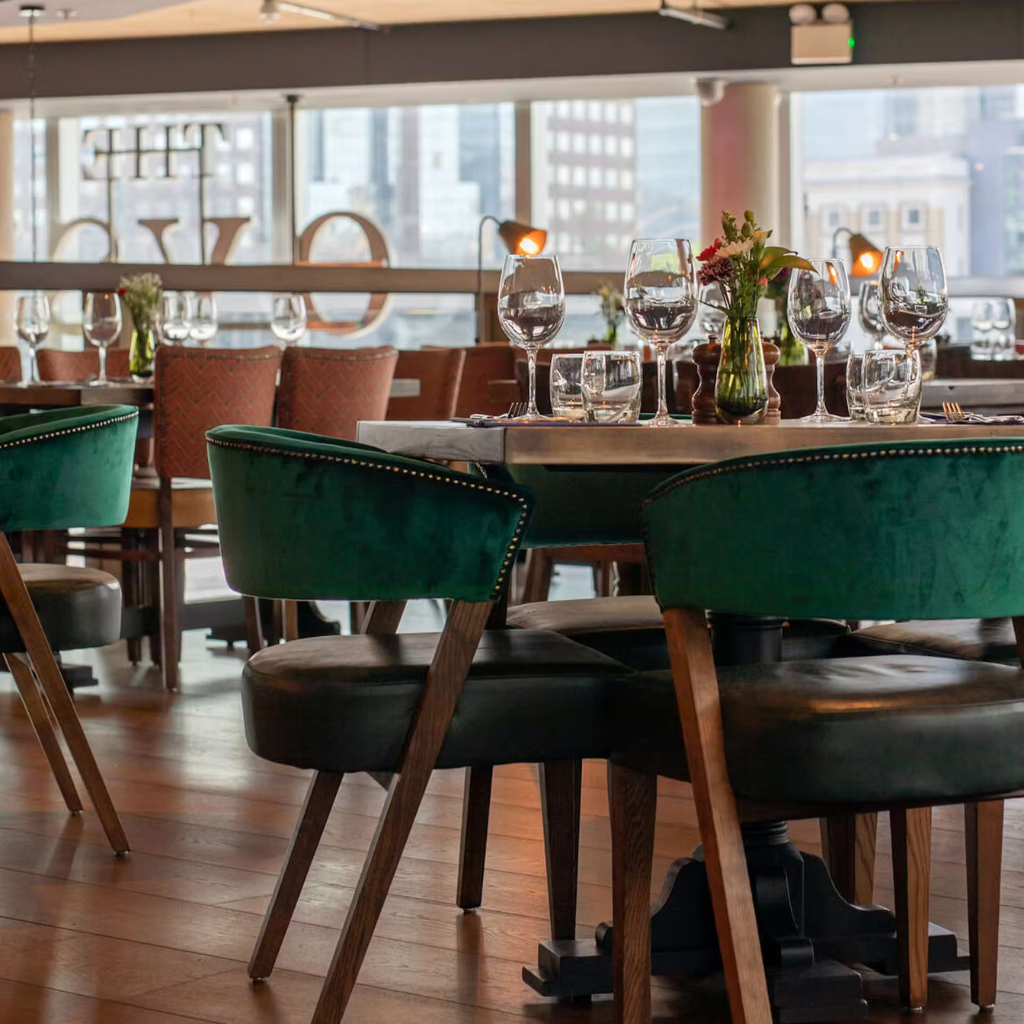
(7, 336)
(740, 158)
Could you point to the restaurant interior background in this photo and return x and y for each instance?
(916, 153)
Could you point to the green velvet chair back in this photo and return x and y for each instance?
(67, 468)
(307, 517)
(914, 530)
(580, 506)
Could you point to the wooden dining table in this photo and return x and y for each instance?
(810, 932)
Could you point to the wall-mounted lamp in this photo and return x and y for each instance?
(865, 256)
(520, 238)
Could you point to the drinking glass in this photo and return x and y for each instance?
(176, 317)
(531, 308)
(101, 325)
(712, 317)
(891, 386)
(1004, 323)
(566, 386)
(33, 322)
(204, 322)
(612, 386)
(819, 314)
(915, 298)
(982, 316)
(288, 318)
(660, 298)
(869, 311)
(855, 386)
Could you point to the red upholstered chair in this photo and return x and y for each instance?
(10, 364)
(57, 365)
(195, 389)
(484, 363)
(328, 391)
(439, 372)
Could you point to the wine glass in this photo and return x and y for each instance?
(176, 317)
(819, 314)
(288, 318)
(869, 311)
(915, 298)
(1004, 323)
(33, 326)
(660, 298)
(204, 322)
(712, 315)
(101, 325)
(531, 308)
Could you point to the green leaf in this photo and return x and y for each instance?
(788, 259)
(772, 253)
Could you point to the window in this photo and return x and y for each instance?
(595, 145)
(563, 174)
(563, 209)
(245, 174)
(935, 165)
(594, 111)
(579, 143)
(579, 177)
(650, 163)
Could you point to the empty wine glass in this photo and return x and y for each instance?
(33, 322)
(101, 325)
(869, 311)
(531, 308)
(915, 298)
(288, 318)
(1004, 323)
(176, 317)
(204, 321)
(819, 314)
(712, 311)
(660, 298)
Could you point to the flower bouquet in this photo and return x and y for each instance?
(744, 265)
(143, 294)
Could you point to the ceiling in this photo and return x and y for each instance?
(126, 19)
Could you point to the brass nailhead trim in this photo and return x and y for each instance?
(404, 471)
(69, 430)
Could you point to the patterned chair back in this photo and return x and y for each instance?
(56, 365)
(10, 364)
(328, 391)
(484, 362)
(197, 389)
(439, 372)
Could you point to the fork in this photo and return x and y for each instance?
(516, 410)
(953, 412)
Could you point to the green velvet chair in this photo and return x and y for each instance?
(304, 517)
(60, 470)
(926, 530)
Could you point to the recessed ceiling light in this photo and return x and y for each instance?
(835, 14)
(803, 14)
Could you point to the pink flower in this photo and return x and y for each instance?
(719, 269)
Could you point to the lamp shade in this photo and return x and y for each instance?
(526, 240)
(865, 257)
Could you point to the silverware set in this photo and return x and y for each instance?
(954, 414)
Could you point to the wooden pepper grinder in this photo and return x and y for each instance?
(706, 356)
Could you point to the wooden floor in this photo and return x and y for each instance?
(163, 936)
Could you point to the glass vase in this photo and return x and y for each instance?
(791, 351)
(741, 385)
(140, 357)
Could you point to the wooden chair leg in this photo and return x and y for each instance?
(476, 810)
(253, 625)
(19, 603)
(290, 620)
(152, 590)
(169, 592)
(700, 713)
(445, 680)
(848, 848)
(911, 869)
(42, 723)
(983, 828)
(539, 568)
(633, 799)
(310, 828)
(130, 590)
(561, 783)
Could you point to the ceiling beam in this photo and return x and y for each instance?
(924, 32)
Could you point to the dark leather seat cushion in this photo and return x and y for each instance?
(345, 704)
(78, 607)
(631, 630)
(877, 730)
(972, 639)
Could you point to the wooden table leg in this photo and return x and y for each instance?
(983, 828)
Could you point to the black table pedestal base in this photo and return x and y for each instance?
(808, 935)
